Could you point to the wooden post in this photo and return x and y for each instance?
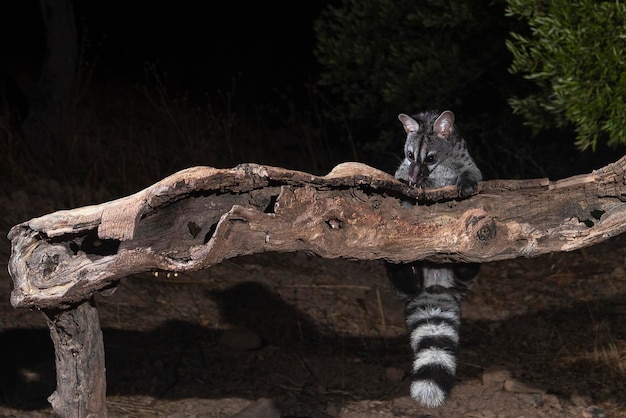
(79, 356)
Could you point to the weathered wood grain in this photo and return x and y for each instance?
(79, 353)
(201, 216)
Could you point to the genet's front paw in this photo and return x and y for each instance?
(466, 187)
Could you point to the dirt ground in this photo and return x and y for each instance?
(294, 335)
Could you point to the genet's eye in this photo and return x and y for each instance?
(410, 155)
(430, 158)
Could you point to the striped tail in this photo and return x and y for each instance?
(433, 320)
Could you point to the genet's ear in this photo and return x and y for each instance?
(444, 125)
(410, 125)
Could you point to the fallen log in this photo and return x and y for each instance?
(201, 216)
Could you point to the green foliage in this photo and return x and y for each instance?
(575, 53)
(383, 57)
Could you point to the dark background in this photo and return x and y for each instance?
(171, 85)
(201, 46)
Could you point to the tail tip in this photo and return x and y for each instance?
(428, 393)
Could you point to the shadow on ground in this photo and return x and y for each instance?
(283, 356)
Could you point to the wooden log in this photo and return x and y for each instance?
(79, 352)
(201, 216)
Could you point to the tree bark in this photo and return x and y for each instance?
(79, 352)
(201, 216)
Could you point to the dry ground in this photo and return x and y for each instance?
(543, 337)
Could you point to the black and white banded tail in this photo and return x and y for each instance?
(433, 319)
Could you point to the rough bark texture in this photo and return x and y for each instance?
(79, 352)
(201, 216)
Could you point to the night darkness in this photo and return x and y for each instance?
(252, 60)
(249, 61)
(201, 47)
(265, 45)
